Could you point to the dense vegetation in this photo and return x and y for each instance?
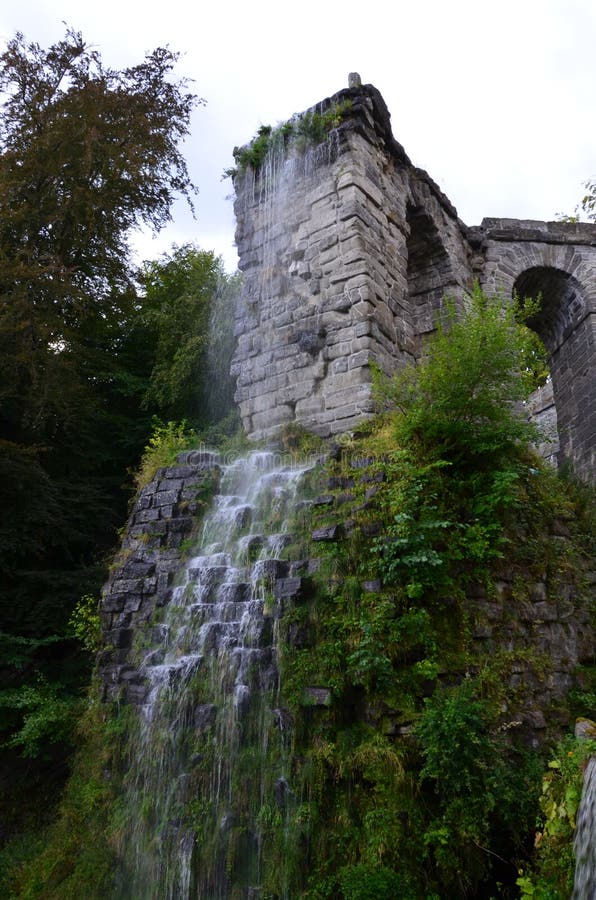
(90, 353)
(415, 776)
(420, 779)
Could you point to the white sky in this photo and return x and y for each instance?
(495, 100)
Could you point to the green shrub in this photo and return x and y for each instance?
(166, 442)
(462, 402)
(364, 882)
(553, 872)
(48, 716)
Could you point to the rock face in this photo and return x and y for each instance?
(348, 250)
(529, 610)
(141, 579)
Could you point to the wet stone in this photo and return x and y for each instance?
(137, 568)
(323, 500)
(373, 477)
(340, 483)
(329, 533)
(362, 462)
(242, 517)
(234, 592)
(271, 569)
(372, 587)
(136, 694)
(204, 716)
(208, 576)
(371, 529)
(288, 588)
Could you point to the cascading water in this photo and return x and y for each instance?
(584, 886)
(206, 785)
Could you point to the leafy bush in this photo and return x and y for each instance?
(363, 882)
(462, 402)
(485, 789)
(552, 877)
(86, 624)
(48, 716)
(166, 442)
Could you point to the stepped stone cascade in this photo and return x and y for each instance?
(348, 251)
(194, 656)
(205, 689)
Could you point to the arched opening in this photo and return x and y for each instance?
(429, 270)
(564, 408)
(561, 303)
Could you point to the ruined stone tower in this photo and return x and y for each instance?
(348, 250)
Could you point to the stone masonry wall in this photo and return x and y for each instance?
(322, 237)
(164, 515)
(348, 251)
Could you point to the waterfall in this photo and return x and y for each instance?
(584, 886)
(207, 785)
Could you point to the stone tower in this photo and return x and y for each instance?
(347, 251)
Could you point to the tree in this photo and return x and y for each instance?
(588, 203)
(188, 311)
(87, 153)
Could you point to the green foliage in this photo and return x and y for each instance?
(166, 441)
(364, 882)
(307, 129)
(552, 876)
(588, 203)
(86, 624)
(77, 859)
(442, 801)
(461, 403)
(187, 310)
(87, 153)
(48, 716)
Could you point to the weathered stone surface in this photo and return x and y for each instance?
(347, 256)
(141, 580)
(288, 588)
(328, 533)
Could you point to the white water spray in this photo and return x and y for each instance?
(203, 780)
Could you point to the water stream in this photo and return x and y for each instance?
(584, 887)
(206, 785)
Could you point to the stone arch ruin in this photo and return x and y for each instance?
(348, 250)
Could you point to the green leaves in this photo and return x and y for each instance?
(309, 128)
(48, 716)
(460, 401)
(183, 292)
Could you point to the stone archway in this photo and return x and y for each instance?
(567, 330)
(429, 269)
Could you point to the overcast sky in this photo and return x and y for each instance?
(495, 100)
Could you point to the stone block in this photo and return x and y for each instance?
(316, 696)
(328, 533)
